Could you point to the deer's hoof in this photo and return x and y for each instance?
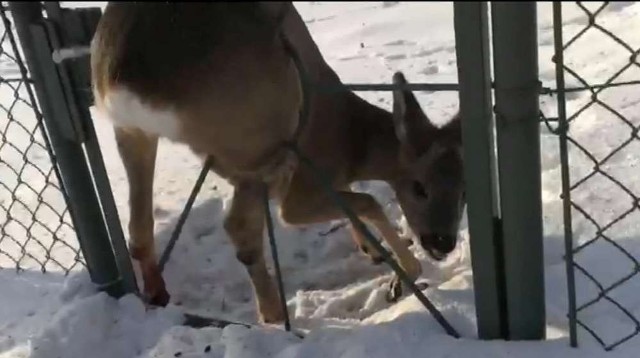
(273, 317)
(160, 298)
(375, 259)
(270, 310)
(396, 290)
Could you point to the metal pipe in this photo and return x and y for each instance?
(563, 128)
(473, 57)
(518, 140)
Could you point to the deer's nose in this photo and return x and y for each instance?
(438, 246)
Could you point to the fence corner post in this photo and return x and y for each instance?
(518, 140)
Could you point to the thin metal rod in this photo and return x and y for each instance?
(362, 87)
(276, 261)
(184, 214)
(324, 182)
(109, 209)
(563, 128)
(592, 87)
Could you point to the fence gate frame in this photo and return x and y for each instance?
(66, 117)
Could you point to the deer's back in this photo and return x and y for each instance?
(213, 75)
(158, 43)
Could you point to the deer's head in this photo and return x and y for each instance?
(430, 189)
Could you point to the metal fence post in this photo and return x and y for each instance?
(518, 140)
(83, 203)
(77, 27)
(474, 73)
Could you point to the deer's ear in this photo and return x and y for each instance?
(411, 124)
(453, 129)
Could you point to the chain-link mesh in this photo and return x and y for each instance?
(35, 227)
(604, 150)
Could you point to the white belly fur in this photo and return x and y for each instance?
(126, 109)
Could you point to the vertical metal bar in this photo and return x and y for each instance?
(274, 256)
(563, 128)
(166, 254)
(518, 137)
(70, 24)
(474, 74)
(83, 204)
(110, 211)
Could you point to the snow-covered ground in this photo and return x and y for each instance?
(333, 292)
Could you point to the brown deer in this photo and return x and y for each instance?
(217, 77)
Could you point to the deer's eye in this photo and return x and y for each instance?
(418, 189)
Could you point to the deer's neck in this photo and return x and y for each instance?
(375, 142)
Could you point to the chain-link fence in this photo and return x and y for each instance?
(598, 128)
(37, 230)
(35, 227)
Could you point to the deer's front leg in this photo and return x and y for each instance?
(367, 248)
(245, 226)
(361, 243)
(138, 153)
(364, 246)
(303, 207)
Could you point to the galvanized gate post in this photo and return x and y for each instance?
(77, 182)
(77, 27)
(474, 73)
(518, 141)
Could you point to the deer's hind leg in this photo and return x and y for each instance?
(138, 153)
(245, 226)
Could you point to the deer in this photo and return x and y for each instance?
(219, 78)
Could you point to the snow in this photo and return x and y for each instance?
(334, 294)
